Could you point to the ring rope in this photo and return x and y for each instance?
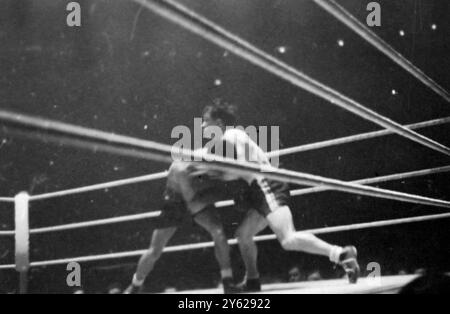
(7, 233)
(283, 152)
(354, 138)
(101, 186)
(185, 247)
(99, 222)
(387, 178)
(212, 32)
(227, 203)
(364, 32)
(7, 199)
(393, 177)
(133, 147)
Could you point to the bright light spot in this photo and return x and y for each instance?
(434, 27)
(394, 92)
(146, 127)
(341, 43)
(282, 49)
(51, 163)
(116, 168)
(402, 33)
(217, 82)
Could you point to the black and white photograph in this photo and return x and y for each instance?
(224, 152)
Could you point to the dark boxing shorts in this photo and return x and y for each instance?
(174, 212)
(265, 196)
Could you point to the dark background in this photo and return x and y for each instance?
(130, 72)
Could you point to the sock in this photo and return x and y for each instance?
(335, 253)
(226, 273)
(137, 282)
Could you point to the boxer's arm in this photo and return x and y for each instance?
(236, 144)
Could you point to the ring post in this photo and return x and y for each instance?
(22, 237)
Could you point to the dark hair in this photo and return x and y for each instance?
(222, 110)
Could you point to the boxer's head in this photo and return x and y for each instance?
(219, 114)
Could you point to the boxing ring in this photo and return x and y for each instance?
(383, 285)
(49, 131)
